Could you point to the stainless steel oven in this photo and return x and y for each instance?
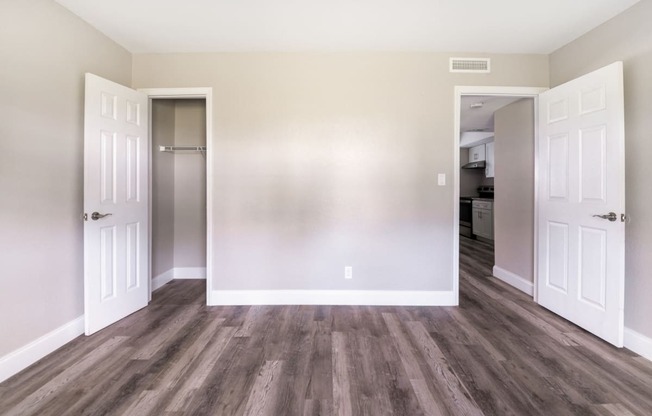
(466, 216)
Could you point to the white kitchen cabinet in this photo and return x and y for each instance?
(490, 163)
(477, 153)
(483, 219)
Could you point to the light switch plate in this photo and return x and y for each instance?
(441, 179)
(348, 272)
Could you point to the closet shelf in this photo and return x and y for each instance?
(185, 148)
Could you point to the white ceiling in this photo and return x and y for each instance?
(472, 119)
(497, 26)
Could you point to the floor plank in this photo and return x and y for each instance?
(498, 353)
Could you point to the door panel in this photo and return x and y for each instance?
(581, 160)
(557, 277)
(593, 167)
(115, 178)
(133, 256)
(133, 161)
(107, 262)
(107, 167)
(558, 167)
(593, 258)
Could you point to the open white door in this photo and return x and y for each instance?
(115, 202)
(582, 175)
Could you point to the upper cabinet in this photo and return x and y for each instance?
(474, 138)
(483, 153)
(490, 164)
(477, 153)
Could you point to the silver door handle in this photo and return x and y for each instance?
(610, 216)
(96, 216)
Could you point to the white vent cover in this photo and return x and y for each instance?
(470, 65)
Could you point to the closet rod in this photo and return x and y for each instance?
(174, 148)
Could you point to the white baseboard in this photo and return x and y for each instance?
(189, 272)
(514, 280)
(162, 279)
(639, 343)
(178, 273)
(27, 355)
(332, 297)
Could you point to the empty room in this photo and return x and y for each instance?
(325, 208)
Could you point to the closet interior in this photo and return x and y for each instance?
(178, 190)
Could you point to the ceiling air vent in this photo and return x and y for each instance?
(470, 65)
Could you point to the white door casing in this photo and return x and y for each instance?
(491, 91)
(115, 182)
(582, 174)
(205, 94)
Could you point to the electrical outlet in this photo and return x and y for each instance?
(441, 179)
(348, 272)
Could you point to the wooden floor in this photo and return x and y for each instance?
(495, 354)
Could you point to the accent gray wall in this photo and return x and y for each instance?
(514, 188)
(328, 160)
(190, 185)
(45, 52)
(163, 187)
(627, 38)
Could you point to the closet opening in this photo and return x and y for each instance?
(178, 190)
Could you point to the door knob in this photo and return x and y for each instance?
(96, 216)
(610, 216)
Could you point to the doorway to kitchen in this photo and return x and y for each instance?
(495, 184)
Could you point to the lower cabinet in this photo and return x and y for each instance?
(483, 221)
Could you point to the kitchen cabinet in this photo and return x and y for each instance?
(490, 164)
(483, 219)
(473, 138)
(477, 153)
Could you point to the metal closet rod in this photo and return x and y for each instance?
(173, 148)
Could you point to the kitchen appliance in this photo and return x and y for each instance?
(485, 192)
(466, 216)
(475, 165)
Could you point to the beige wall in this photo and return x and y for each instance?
(163, 187)
(327, 160)
(44, 52)
(627, 37)
(190, 185)
(514, 187)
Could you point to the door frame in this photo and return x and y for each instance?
(491, 91)
(180, 94)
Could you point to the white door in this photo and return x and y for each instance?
(115, 202)
(582, 171)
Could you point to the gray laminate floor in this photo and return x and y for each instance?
(496, 354)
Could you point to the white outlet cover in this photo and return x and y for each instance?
(348, 272)
(441, 179)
